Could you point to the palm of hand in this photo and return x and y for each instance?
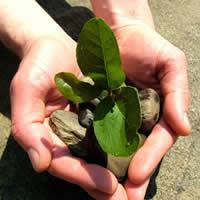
(35, 80)
(141, 49)
(151, 61)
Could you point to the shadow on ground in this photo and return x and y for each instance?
(18, 181)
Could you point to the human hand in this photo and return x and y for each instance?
(151, 61)
(33, 98)
(45, 50)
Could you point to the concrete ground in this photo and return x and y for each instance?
(179, 176)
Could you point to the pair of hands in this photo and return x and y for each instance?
(148, 60)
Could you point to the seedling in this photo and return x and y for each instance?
(117, 117)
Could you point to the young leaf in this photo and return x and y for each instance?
(98, 54)
(116, 123)
(129, 95)
(75, 90)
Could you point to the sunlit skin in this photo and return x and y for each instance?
(33, 92)
(148, 60)
(151, 61)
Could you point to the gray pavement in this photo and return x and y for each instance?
(179, 176)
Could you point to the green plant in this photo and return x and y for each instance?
(117, 117)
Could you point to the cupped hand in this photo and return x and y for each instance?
(33, 98)
(149, 60)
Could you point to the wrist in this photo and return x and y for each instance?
(52, 37)
(122, 13)
(21, 43)
(27, 23)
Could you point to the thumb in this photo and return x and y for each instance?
(28, 113)
(174, 84)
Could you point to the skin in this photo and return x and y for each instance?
(149, 60)
(47, 50)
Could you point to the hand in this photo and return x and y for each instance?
(33, 98)
(39, 98)
(151, 61)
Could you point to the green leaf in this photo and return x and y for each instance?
(98, 54)
(129, 95)
(116, 123)
(75, 90)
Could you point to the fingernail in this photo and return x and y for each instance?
(34, 157)
(187, 122)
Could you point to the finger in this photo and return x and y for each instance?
(136, 192)
(77, 171)
(150, 154)
(55, 104)
(28, 112)
(119, 194)
(174, 84)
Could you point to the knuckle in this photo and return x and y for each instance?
(16, 131)
(180, 55)
(35, 79)
(14, 83)
(177, 61)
